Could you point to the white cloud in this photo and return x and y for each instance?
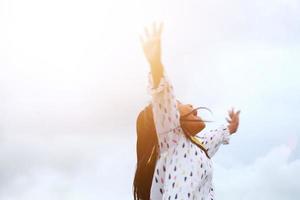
(90, 168)
(67, 167)
(272, 176)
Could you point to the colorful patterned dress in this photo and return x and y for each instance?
(182, 171)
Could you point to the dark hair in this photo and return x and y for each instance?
(147, 151)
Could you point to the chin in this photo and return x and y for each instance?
(195, 128)
(201, 127)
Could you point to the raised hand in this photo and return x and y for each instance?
(233, 121)
(151, 44)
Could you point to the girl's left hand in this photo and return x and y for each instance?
(233, 121)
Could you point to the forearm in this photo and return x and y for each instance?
(157, 71)
(213, 139)
(165, 112)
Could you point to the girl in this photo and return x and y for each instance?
(171, 162)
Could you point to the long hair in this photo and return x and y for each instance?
(147, 148)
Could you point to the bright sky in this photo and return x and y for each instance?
(73, 79)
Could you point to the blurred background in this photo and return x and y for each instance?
(73, 78)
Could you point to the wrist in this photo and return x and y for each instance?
(156, 65)
(157, 72)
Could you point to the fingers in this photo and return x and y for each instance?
(237, 115)
(160, 29)
(157, 29)
(234, 116)
(147, 33)
(155, 32)
(237, 119)
(230, 113)
(233, 120)
(228, 120)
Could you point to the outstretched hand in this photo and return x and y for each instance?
(233, 121)
(151, 44)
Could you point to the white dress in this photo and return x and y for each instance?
(182, 170)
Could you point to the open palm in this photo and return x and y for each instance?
(151, 44)
(233, 121)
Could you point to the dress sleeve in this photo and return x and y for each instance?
(164, 105)
(213, 139)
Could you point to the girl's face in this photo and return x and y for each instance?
(193, 126)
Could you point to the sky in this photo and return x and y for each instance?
(73, 78)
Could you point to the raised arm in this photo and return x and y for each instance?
(164, 105)
(151, 43)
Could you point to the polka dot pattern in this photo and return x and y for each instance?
(182, 171)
